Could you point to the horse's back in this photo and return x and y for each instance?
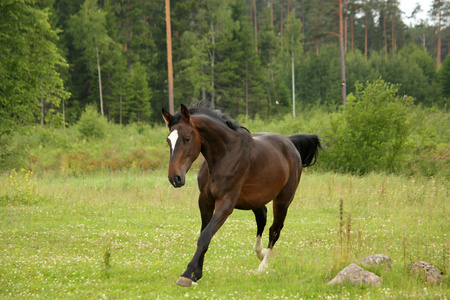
(275, 144)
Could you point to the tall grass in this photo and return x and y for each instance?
(67, 151)
(130, 235)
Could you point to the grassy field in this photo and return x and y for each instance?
(129, 235)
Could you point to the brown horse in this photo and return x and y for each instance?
(240, 171)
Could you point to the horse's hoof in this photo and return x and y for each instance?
(262, 268)
(184, 281)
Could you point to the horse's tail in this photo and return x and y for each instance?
(308, 146)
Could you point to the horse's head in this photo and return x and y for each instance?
(185, 144)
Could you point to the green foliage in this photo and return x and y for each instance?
(371, 131)
(319, 77)
(444, 78)
(91, 124)
(358, 69)
(30, 64)
(220, 54)
(137, 96)
(10, 157)
(428, 142)
(191, 68)
(93, 47)
(140, 146)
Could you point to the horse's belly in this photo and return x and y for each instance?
(257, 195)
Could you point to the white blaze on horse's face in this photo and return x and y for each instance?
(173, 137)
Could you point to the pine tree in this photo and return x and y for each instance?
(440, 10)
(137, 95)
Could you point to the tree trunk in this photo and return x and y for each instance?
(99, 76)
(303, 29)
(256, 26)
(281, 24)
(341, 47)
(438, 56)
(127, 34)
(293, 86)
(271, 13)
(352, 33)
(345, 27)
(393, 34)
(365, 38)
(303, 22)
(213, 58)
(385, 36)
(169, 57)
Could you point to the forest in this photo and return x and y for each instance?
(244, 57)
(79, 78)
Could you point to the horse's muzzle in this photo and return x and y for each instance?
(177, 181)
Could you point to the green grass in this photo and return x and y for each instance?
(130, 234)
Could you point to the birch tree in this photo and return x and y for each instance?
(294, 38)
(90, 38)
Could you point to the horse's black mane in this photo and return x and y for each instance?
(203, 108)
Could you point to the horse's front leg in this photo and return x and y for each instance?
(223, 208)
(206, 207)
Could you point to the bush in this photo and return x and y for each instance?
(10, 157)
(371, 131)
(91, 125)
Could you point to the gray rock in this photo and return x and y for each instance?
(354, 274)
(376, 260)
(431, 274)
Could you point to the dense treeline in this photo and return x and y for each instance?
(59, 56)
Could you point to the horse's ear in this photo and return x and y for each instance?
(167, 116)
(185, 113)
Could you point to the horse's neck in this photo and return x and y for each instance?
(216, 140)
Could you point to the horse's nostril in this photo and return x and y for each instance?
(177, 180)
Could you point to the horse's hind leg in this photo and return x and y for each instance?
(280, 208)
(261, 219)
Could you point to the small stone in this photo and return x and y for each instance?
(432, 275)
(356, 275)
(376, 260)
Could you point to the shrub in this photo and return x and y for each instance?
(371, 131)
(91, 125)
(10, 156)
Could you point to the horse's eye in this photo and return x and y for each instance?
(187, 140)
